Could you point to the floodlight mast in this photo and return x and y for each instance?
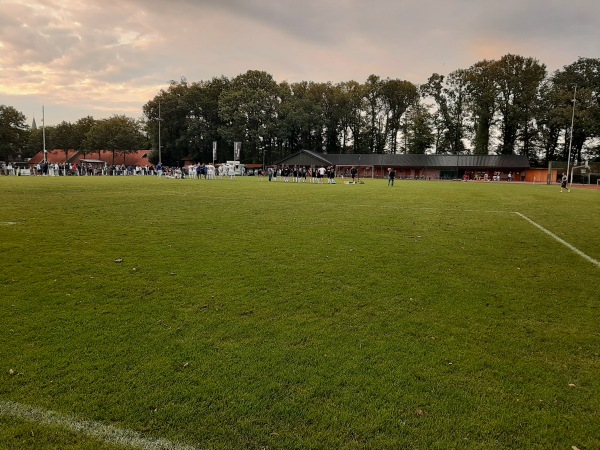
(571, 137)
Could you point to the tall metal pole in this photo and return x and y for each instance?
(44, 133)
(571, 137)
(159, 149)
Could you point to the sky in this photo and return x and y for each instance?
(80, 58)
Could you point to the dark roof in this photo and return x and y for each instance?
(305, 157)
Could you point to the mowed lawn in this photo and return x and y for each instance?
(258, 315)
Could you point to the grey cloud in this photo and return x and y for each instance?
(34, 40)
(149, 42)
(551, 19)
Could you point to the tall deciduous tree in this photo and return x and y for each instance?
(117, 134)
(353, 117)
(80, 130)
(373, 109)
(248, 107)
(35, 142)
(64, 138)
(13, 132)
(584, 74)
(519, 81)
(173, 110)
(449, 95)
(397, 97)
(305, 116)
(419, 133)
(482, 91)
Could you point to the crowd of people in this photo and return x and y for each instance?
(7, 169)
(282, 173)
(298, 174)
(74, 169)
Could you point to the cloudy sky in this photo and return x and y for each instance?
(99, 58)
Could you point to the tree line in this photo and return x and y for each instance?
(505, 106)
(117, 134)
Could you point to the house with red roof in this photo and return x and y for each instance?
(136, 158)
(53, 157)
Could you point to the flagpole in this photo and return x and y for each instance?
(571, 137)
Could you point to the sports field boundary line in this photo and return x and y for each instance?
(106, 433)
(562, 241)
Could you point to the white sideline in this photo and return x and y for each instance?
(105, 433)
(549, 233)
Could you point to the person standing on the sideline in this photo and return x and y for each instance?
(159, 170)
(563, 183)
(353, 173)
(392, 176)
(321, 174)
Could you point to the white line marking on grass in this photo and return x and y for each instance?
(183, 194)
(462, 210)
(549, 233)
(105, 433)
(408, 208)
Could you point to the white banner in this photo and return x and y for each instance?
(237, 148)
(214, 151)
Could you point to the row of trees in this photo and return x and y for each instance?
(505, 106)
(118, 134)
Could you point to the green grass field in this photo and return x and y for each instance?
(259, 315)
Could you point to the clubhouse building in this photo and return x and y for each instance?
(424, 167)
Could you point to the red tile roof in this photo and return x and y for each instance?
(137, 158)
(53, 156)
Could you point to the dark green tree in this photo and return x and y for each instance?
(584, 75)
(117, 134)
(64, 138)
(372, 89)
(248, 108)
(481, 97)
(353, 117)
(172, 107)
(80, 130)
(449, 94)
(13, 133)
(305, 116)
(419, 130)
(519, 81)
(397, 97)
(35, 141)
(550, 119)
